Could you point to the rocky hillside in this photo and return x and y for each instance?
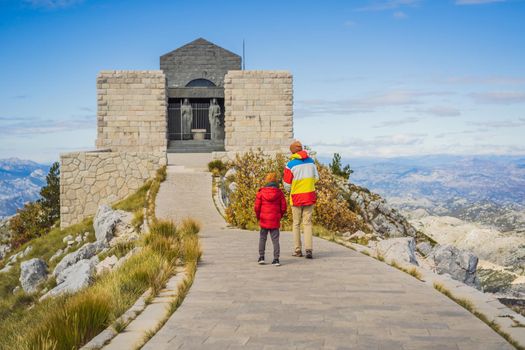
(502, 254)
(486, 190)
(20, 182)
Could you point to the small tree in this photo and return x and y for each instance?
(26, 224)
(337, 167)
(50, 197)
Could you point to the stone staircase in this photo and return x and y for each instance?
(195, 146)
(187, 162)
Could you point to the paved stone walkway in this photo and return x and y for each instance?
(340, 300)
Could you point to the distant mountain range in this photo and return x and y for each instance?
(487, 189)
(20, 182)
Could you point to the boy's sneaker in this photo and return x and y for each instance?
(309, 254)
(261, 260)
(298, 253)
(276, 262)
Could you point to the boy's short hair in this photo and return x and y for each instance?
(270, 177)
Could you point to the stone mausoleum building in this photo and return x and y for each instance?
(200, 101)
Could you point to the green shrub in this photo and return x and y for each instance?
(331, 211)
(26, 224)
(217, 166)
(252, 168)
(337, 168)
(36, 218)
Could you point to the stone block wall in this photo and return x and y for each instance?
(258, 110)
(88, 179)
(199, 59)
(132, 111)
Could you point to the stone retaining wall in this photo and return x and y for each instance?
(132, 111)
(88, 179)
(258, 110)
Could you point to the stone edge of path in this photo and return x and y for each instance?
(486, 304)
(217, 196)
(165, 296)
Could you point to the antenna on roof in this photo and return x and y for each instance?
(243, 57)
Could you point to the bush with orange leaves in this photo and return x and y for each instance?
(332, 210)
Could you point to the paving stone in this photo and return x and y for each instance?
(339, 300)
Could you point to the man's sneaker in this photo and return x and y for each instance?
(298, 253)
(309, 254)
(276, 262)
(261, 260)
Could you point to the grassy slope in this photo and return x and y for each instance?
(93, 309)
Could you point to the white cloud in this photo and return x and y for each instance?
(36, 126)
(440, 111)
(384, 145)
(485, 80)
(497, 124)
(52, 4)
(388, 5)
(362, 104)
(397, 122)
(499, 97)
(400, 15)
(476, 2)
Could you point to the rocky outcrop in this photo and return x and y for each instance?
(33, 273)
(104, 223)
(75, 277)
(384, 220)
(4, 250)
(113, 226)
(424, 248)
(502, 248)
(398, 249)
(86, 252)
(460, 265)
(14, 258)
(106, 265)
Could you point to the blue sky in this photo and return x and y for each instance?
(371, 77)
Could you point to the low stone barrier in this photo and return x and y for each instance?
(88, 179)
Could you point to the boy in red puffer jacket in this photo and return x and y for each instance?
(270, 207)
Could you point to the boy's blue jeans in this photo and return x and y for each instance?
(263, 235)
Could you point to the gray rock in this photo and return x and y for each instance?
(32, 273)
(79, 239)
(87, 251)
(104, 223)
(16, 289)
(107, 264)
(67, 238)
(26, 251)
(398, 249)
(20, 255)
(386, 227)
(75, 277)
(424, 248)
(232, 187)
(6, 268)
(459, 264)
(14, 257)
(125, 258)
(4, 250)
(230, 172)
(57, 254)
